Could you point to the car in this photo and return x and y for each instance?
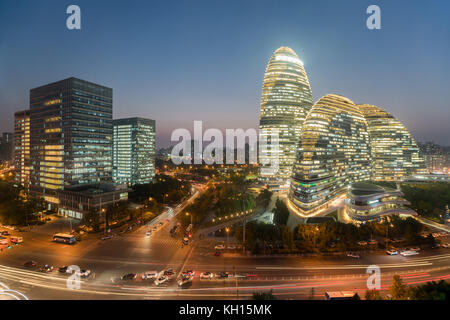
(407, 253)
(353, 255)
(30, 264)
(223, 275)
(64, 269)
(185, 241)
(148, 233)
(84, 273)
(129, 276)
(239, 275)
(184, 280)
(219, 247)
(372, 242)
(206, 275)
(231, 247)
(446, 245)
(362, 243)
(415, 249)
(392, 252)
(189, 272)
(217, 253)
(160, 280)
(107, 237)
(4, 241)
(149, 275)
(46, 268)
(168, 272)
(5, 233)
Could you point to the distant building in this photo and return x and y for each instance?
(285, 101)
(70, 136)
(6, 147)
(77, 201)
(22, 148)
(133, 151)
(437, 158)
(367, 202)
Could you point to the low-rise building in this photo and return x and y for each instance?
(76, 201)
(367, 201)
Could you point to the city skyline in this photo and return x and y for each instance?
(385, 67)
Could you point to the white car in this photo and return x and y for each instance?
(206, 275)
(84, 273)
(407, 253)
(392, 252)
(362, 243)
(184, 279)
(148, 233)
(353, 255)
(149, 275)
(231, 247)
(219, 247)
(446, 245)
(161, 280)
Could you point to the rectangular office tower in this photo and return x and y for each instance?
(71, 136)
(22, 147)
(133, 151)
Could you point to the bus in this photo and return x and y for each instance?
(64, 238)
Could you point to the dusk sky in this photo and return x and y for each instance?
(180, 61)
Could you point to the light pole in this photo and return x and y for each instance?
(227, 230)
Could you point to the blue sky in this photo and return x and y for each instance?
(180, 61)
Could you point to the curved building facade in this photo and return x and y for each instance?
(395, 154)
(285, 101)
(334, 151)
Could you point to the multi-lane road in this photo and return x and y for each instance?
(288, 277)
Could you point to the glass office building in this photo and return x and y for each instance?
(285, 101)
(334, 151)
(71, 136)
(22, 147)
(133, 151)
(395, 154)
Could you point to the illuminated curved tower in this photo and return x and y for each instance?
(395, 154)
(285, 101)
(334, 151)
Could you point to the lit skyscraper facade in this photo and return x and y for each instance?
(22, 147)
(285, 101)
(395, 154)
(133, 151)
(334, 151)
(71, 136)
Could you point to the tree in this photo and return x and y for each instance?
(311, 294)
(281, 213)
(373, 295)
(398, 289)
(431, 291)
(263, 296)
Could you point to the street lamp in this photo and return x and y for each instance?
(227, 230)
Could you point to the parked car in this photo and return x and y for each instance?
(160, 280)
(231, 247)
(148, 233)
(206, 275)
(107, 237)
(46, 268)
(149, 275)
(446, 245)
(353, 255)
(129, 276)
(392, 252)
(223, 275)
(219, 247)
(63, 269)
(362, 243)
(217, 253)
(30, 264)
